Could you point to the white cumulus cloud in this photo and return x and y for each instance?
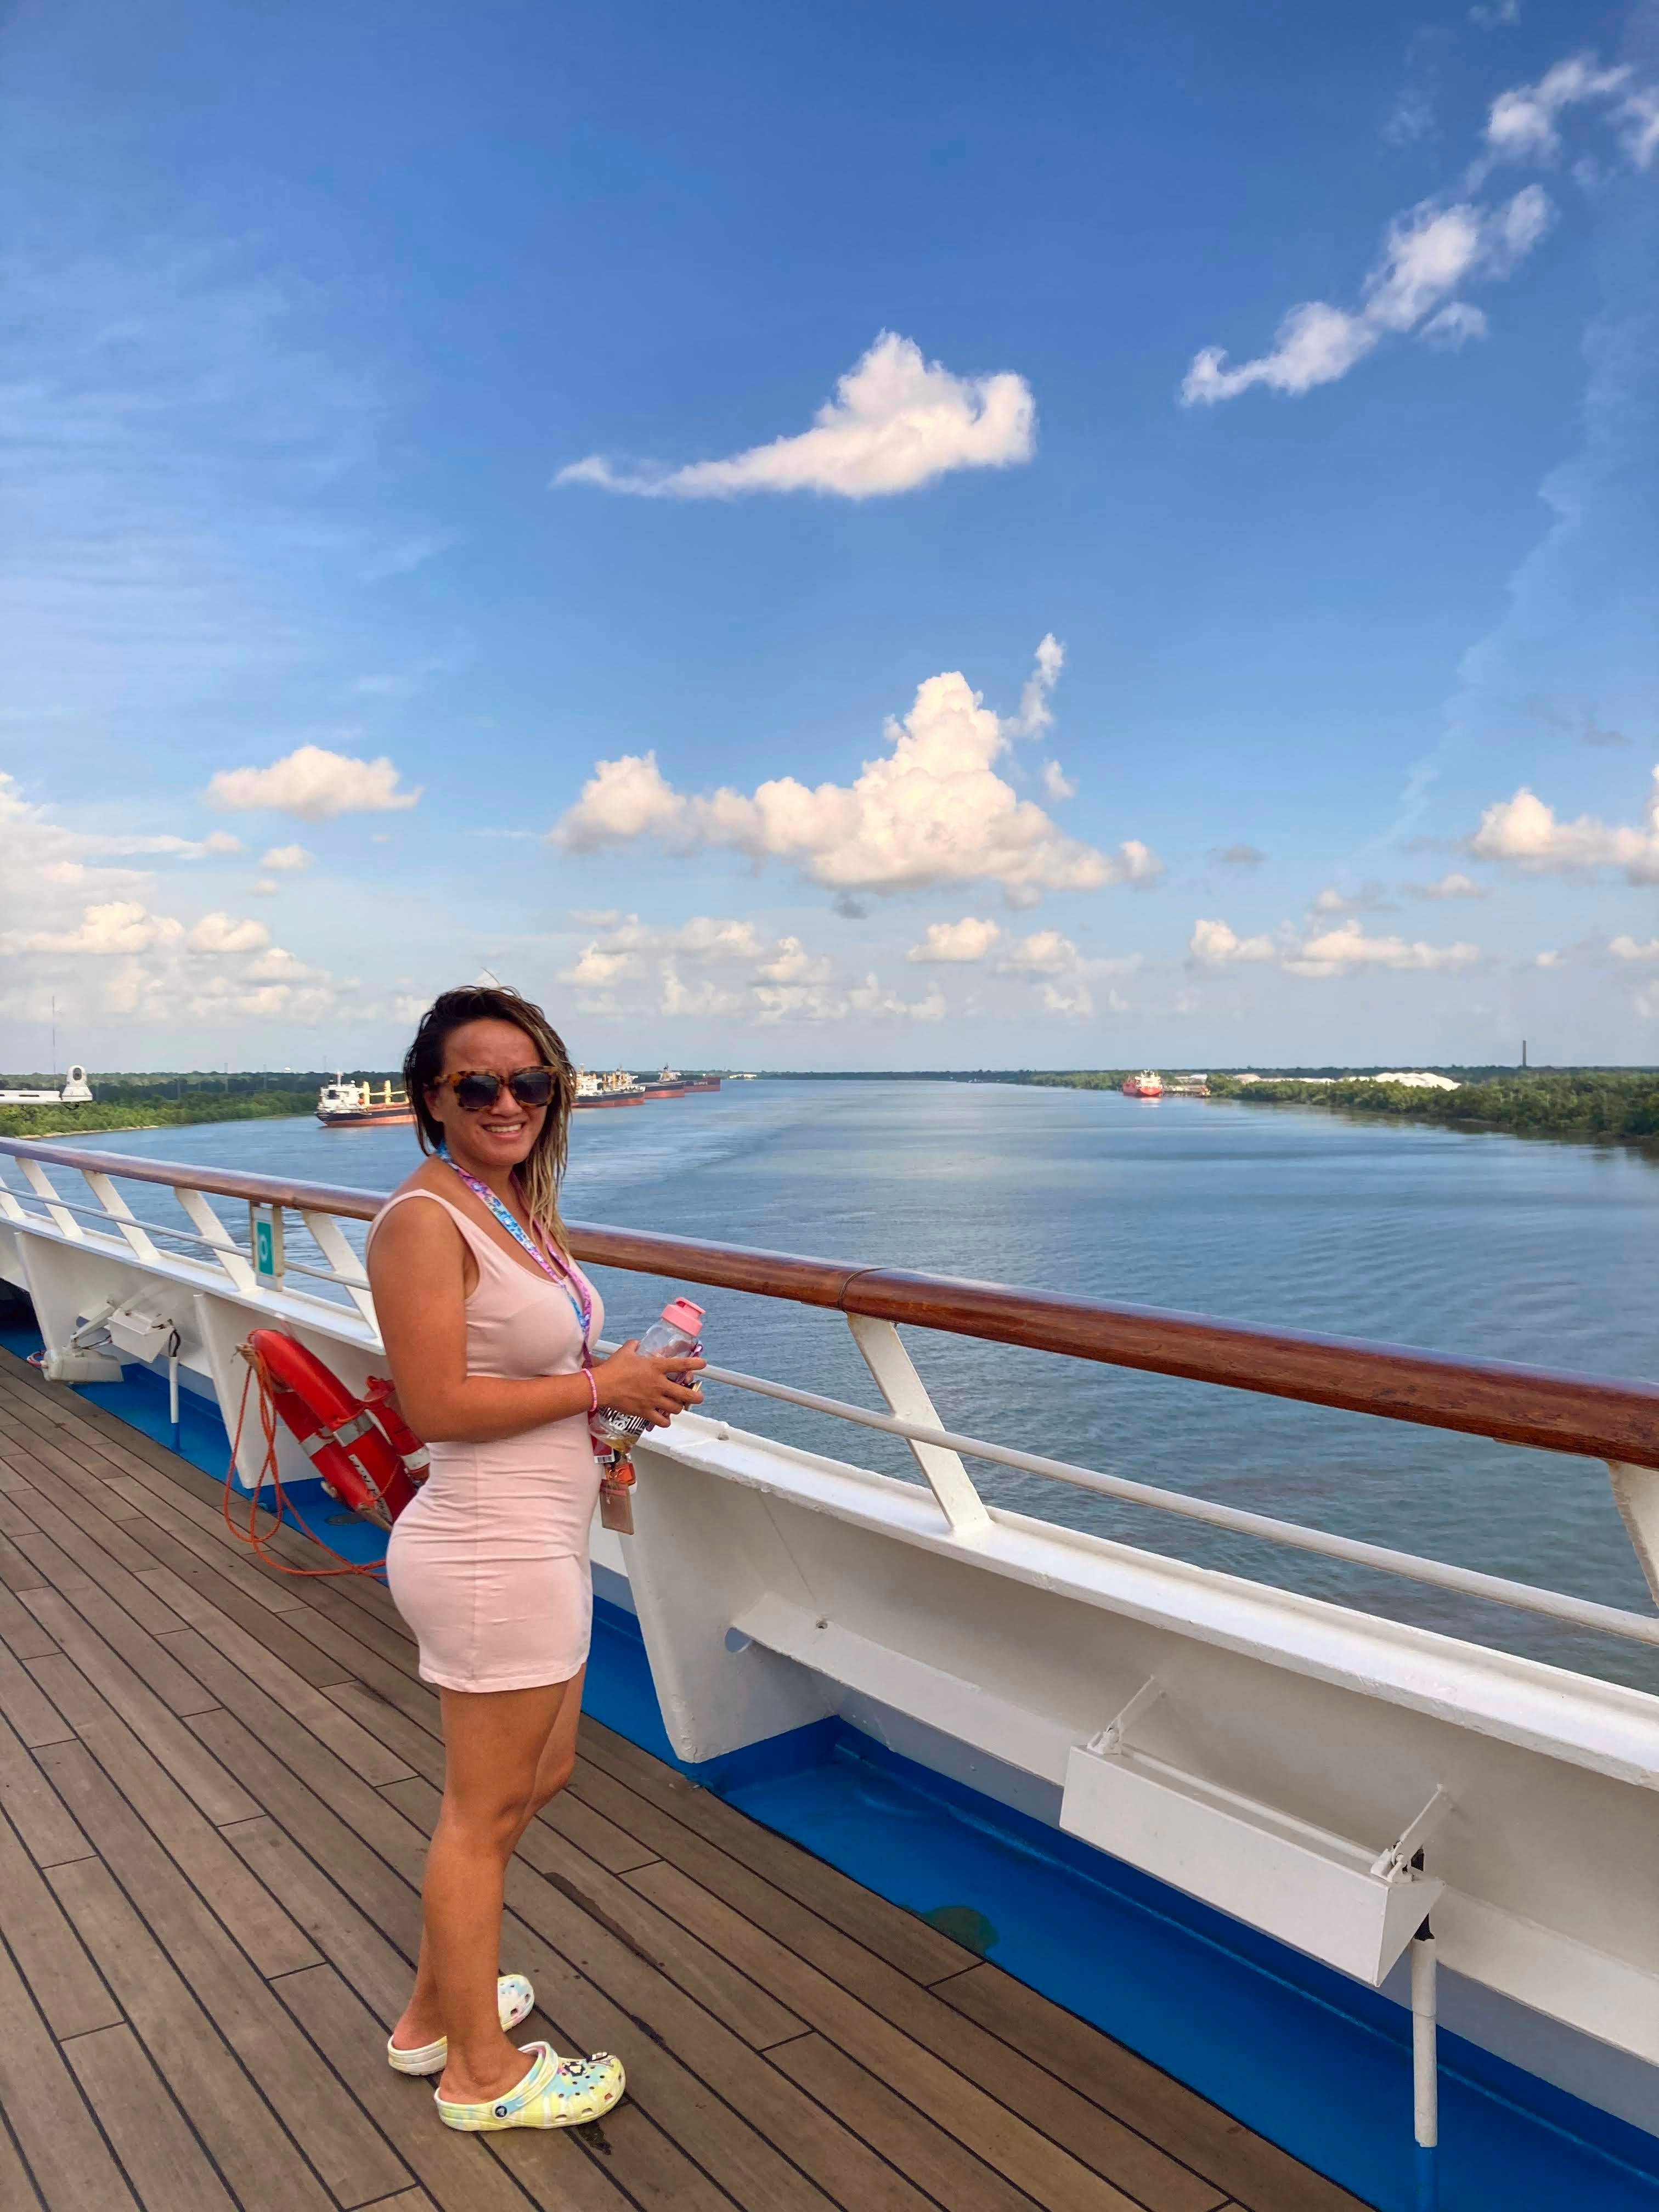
(222, 932)
(1346, 947)
(1215, 944)
(897, 421)
(313, 784)
(970, 938)
(289, 859)
(1525, 833)
(115, 926)
(793, 963)
(1626, 948)
(1045, 952)
(932, 810)
(1337, 951)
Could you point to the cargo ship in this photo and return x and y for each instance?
(1149, 1084)
(669, 1083)
(342, 1105)
(613, 1086)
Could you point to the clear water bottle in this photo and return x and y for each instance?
(679, 1329)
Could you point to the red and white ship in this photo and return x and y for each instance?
(1149, 1084)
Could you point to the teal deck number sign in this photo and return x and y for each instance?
(266, 1235)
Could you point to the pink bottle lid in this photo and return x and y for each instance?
(682, 1314)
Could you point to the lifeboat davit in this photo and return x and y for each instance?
(366, 1453)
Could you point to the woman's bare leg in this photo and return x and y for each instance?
(423, 2019)
(496, 1746)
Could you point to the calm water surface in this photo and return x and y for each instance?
(1485, 1245)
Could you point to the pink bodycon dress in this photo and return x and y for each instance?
(489, 1566)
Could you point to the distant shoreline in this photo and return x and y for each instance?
(113, 1116)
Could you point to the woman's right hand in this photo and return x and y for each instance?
(634, 1382)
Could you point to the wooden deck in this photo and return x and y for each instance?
(215, 1787)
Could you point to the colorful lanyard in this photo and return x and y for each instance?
(574, 1288)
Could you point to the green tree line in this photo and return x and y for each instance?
(153, 1113)
(1612, 1103)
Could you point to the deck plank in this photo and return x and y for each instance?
(110, 1558)
(62, 2143)
(201, 1597)
(993, 2130)
(220, 1780)
(180, 1942)
(27, 1705)
(259, 2160)
(209, 1659)
(744, 1917)
(161, 2153)
(257, 1915)
(910, 1943)
(359, 1951)
(67, 1986)
(86, 1657)
(34, 1807)
(1256, 2173)
(17, 1572)
(151, 1665)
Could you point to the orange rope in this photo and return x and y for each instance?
(252, 1536)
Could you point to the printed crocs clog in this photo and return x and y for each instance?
(516, 2000)
(555, 2093)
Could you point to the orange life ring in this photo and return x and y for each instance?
(364, 1451)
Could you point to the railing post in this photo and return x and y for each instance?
(906, 1394)
(326, 1235)
(1636, 1493)
(120, 1212)
(213, 1231)
(62, 1219)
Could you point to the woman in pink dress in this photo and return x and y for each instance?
(489, 1325)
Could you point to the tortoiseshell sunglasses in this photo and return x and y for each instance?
(475, 1089)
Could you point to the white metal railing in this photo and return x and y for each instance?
(938, 1452)
(131, 1236)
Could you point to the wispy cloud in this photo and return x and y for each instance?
(1426, 255)
(1434, 249)
(897, 421)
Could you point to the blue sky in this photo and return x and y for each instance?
(1293, 376)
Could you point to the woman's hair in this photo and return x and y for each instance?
(540, 1175)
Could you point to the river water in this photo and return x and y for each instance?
(1491, 1246)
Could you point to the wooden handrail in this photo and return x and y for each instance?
(1587, 1415)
